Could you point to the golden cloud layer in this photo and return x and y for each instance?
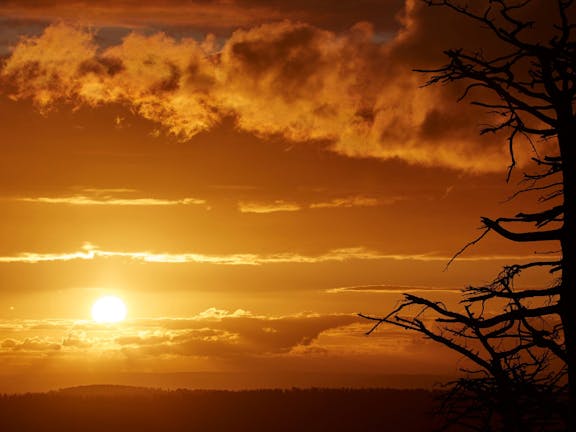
(116, 199)
(247, 344)
(90, 252)
(284, 78)
(214, 333)
(231, 342)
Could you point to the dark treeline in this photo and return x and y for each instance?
(111, 409)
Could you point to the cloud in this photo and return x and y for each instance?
(31, 344)
(248, 344)
(285, 78)
(90, 252)
(267, 207)
(9, 343)
(214, 332)
(287, 206)
(111, 197)
(353, 201)
(218, 314)
(389, 289)
(108, 201)
(76, 340)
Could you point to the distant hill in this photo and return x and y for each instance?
(113, 408)
(42, 382)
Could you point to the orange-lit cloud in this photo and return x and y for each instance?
(215, 333)
(267, 207)
(109, 201)
(284, 78)
(30, 344)
(286, 206)
(355, 201)
(248, 344)
(387, 289)
(298, 343)
(90, 252)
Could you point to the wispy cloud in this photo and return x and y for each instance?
(267, 207)
(83, 200)
(90, 252)
(353, 201)
(110, 197)
(289, 206)
(389, 289)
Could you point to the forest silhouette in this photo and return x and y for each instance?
(122, 408)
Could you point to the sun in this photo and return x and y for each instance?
(108, 309)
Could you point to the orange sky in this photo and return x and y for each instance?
(247, 175)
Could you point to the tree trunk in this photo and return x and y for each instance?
(567, 143)
(510, 416)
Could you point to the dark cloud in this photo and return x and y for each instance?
(337, 15)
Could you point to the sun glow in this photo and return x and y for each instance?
(108, 309)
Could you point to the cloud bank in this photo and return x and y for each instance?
(288, 79)
(215, 340)
(213, 333)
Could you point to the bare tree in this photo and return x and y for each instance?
(516, 380)
(522, 342)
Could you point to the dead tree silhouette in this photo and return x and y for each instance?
(521, 343)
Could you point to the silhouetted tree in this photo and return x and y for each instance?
(522, 342)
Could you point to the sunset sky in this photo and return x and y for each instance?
(246, 175)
